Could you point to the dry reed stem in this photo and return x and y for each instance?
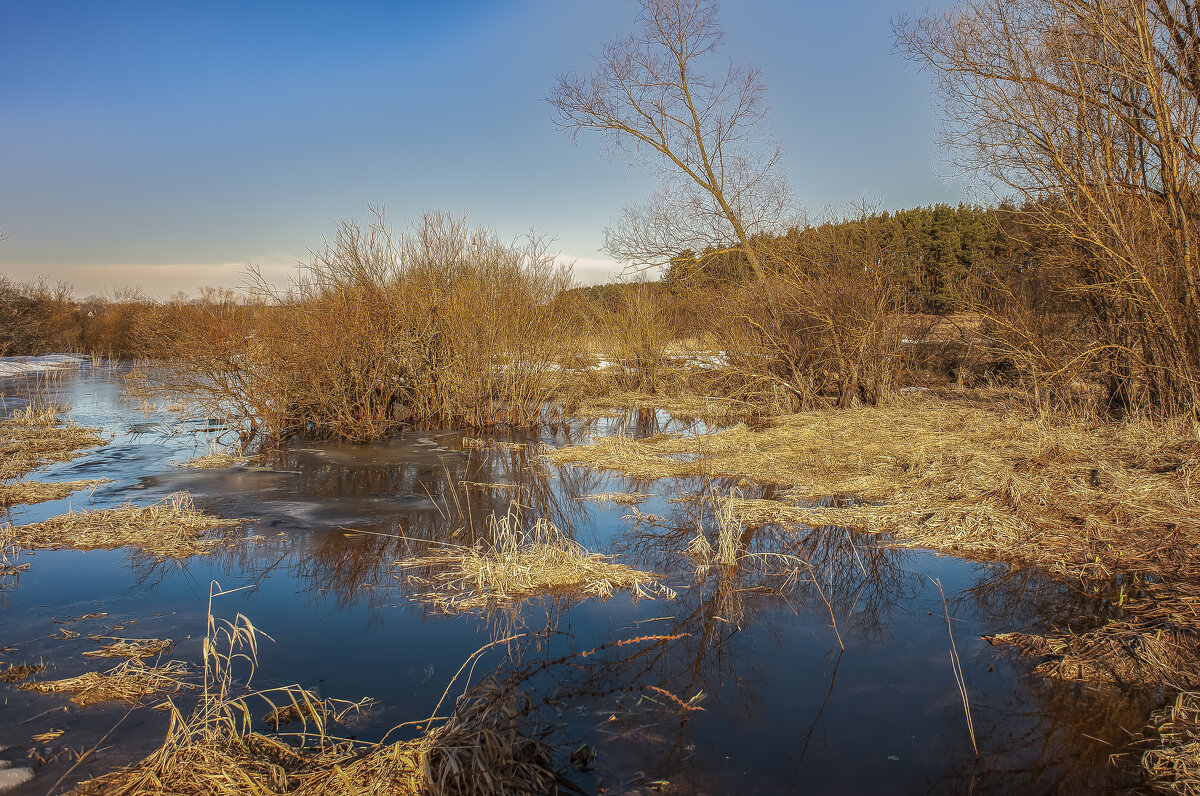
(213, 461)
(34, 437)
(130, 647)
(1172, 763)
(17, 672)
(215, 749)
(617, 498)
(472, 443)
(1085, 501)
(520, 564)
(130, 682)
(171, 528)
(710, 409)
(28, 492)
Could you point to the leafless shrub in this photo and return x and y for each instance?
(444, 325)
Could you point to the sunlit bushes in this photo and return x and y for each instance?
(443, 325)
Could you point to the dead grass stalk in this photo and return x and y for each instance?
(520, 563)
(171, 528)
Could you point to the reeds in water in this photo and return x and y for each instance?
(171, 528)
(519, 563)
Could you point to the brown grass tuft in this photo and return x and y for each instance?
(20, 671)
(171, 528)
(131, 681)
(213, 461)
(35, 436)
(519, 564)
(1111, 508)
(25, 492)
(1172, 763)
(130, 647)
(216, 749)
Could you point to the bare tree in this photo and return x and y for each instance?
(1091, 110)
(657, 95)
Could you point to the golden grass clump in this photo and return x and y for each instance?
(519, 564)
(34, 436)
(131, 681)
(130, 647)
(1171, 764)
(1088, 502)
(22, 671)
(26, 492)
(213, 461)
(475, 443)
(171, 528)
(617, 498)
(710, 409)
(216, 749)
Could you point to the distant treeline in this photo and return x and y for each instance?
(943, 257)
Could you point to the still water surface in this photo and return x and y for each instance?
(785, 709)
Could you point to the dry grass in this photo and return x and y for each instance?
(213, 461)
(22, 671)
(1090, 503)
(171, 528)
(26, 492)
(1172, 763)
(216, 750)
(710, 409)
(520, 564)
(130, 647)
(474, 443)
(34, 437)
(131, 681)
(10, 555)
(616, 498)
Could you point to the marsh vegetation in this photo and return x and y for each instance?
(796, 437)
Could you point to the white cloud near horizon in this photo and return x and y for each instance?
(162, 281)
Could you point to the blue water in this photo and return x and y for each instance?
(777, 704)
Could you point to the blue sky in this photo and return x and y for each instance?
(169, 144)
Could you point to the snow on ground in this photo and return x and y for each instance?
(16, 366)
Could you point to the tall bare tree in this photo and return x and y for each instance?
(658, 94)
(1091, 110)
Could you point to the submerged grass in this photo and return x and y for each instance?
(171, 528)
(36, 436)
(27, 492)
(1109, 508)
(521, 563)
(131, 682)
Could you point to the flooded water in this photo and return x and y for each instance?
(774, 703)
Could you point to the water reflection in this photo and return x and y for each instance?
(816, 660)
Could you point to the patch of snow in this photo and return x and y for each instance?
(16, 366)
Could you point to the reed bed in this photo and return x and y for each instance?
(23, 671)
(1172, 763)
(1091, 503)
(476, 443)
(129, 647)
(215, 749)
(131, 682)
(213, 461)
(10, 555)
(710, 409)
(616, 498)
(28, 492)
(521, 563)
(171, 528)
(36, 436)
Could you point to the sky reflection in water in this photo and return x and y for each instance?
(784, 709)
